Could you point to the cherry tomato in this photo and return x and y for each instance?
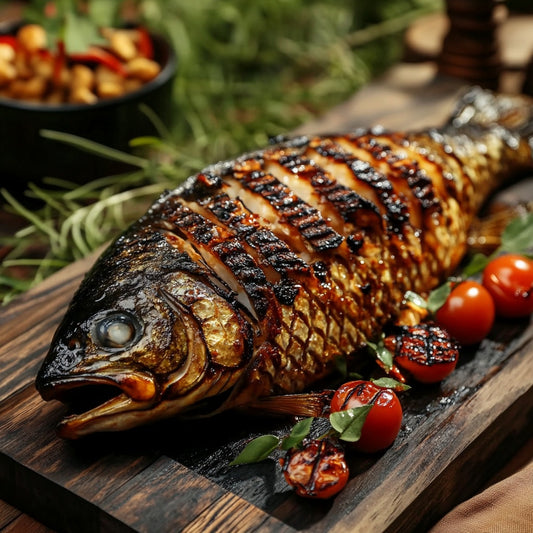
(509, 279)
(467, 313)
(426, 351)
(383, 421)
(317, 470)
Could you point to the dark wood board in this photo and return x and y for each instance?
(174, 476)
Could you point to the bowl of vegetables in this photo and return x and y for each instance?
(108, 93)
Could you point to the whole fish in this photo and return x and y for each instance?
(255, 275)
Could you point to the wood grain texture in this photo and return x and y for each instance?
(174, 476)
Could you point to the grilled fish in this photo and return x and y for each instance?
(255, 275)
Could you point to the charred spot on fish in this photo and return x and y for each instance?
(202, 186)
(355, 242)
(116, 330)
(276, 252)
(321, 271)
(366, 288)
(222, 206)
(350, 205)
(330, 150)
(378, 150)
(286, 291)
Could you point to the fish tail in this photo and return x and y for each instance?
(509, 116)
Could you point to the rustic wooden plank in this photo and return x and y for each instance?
(233, 514)
(185, 502)
(26, 524)
(8, 514)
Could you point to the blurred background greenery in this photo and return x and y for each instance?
(247, 71)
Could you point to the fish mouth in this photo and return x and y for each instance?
(107, 402)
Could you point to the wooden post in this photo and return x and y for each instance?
(471, 49)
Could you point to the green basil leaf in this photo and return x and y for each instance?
(103, 12)
(80, 33)
(416, 299)
(390, 383)
(382, 353)
(477, 264)
(385, 356)
(298, 434)
(256, 450)
(517, 237)
(349, 422)
(438, 296)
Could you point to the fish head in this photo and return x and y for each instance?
(145, 337)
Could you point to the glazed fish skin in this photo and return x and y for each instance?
(256, 274)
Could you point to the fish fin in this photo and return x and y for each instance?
(305, 404)
(485, 233)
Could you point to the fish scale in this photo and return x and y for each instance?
(256, 274)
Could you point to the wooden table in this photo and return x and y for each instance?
(143, 482)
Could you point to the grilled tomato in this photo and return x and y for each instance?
(426, 351)
(316, 470)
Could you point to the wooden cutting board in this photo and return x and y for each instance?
(174, 476)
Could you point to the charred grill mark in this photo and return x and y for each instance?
(271, 249)
(304, 218)
(351, 206)
(425, 343)
(400, 167)
(277, 253)
(204, 185)
(249, 275)
(439, 152)
(396, 212)
(223, 246)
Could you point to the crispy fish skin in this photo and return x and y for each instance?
(256, 274)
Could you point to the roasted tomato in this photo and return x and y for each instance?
(426, 351)
(384, 419)
(509, 279)
(468, 313)
(317, 470)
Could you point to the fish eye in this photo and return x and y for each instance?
(116, 330)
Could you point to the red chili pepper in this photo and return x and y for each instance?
(10, 40)
(146, 47)
(59, 63)
(100, 56)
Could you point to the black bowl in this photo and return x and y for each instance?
(25, 155)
